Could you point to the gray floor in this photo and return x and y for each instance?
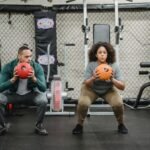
(100, 133)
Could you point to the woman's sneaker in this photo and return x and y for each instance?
(78, 129)
(122, 129)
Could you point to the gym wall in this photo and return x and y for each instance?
(15, 30)
(134, 48)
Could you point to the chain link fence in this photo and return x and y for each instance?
(15, 30)
(133, 49)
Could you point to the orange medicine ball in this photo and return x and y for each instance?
(23, 70)
(104, 71)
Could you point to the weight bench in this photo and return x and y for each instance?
(100, 107)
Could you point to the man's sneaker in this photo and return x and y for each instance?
(122, 129)
(78, 129)
(4, 129)
(39, 129)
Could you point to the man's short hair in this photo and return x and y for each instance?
(24, 47)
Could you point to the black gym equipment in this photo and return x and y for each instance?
(145, 85)
(139, 102)
(45, 38)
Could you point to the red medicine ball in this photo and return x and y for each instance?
(23, 70)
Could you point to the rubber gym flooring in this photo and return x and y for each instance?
(100, 132)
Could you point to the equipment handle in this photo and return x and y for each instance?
(145, 64)
(143, 72)
(69, 44)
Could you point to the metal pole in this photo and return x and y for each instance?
(65, 69)
(85, 32)
(117, 26)
(49, 63)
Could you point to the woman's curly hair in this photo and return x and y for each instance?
(110, 52)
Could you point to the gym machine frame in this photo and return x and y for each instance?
(118, 30)
(85, 30)
(56, 95)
